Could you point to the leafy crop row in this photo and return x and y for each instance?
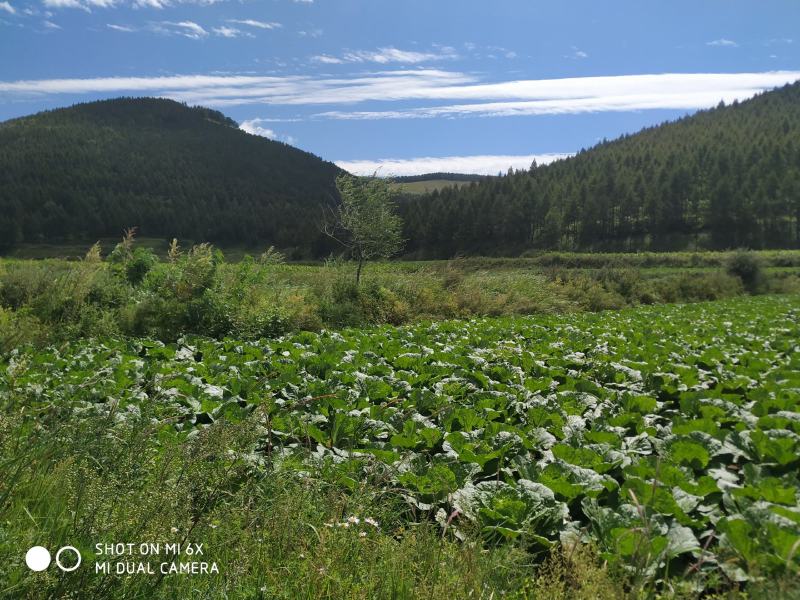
(669, 436)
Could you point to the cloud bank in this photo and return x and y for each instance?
(419, 87)
(480, 165)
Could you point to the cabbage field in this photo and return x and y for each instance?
(668, 437)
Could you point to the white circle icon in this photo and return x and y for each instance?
(37, 558)
(58, 559)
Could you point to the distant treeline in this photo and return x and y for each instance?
(440, 176)
(723, 178)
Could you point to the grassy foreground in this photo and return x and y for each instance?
(652, 451)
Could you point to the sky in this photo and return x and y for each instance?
(405, 87)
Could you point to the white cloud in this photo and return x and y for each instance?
(388, 55)
(231, 32)
(50, 25)
(87, 5)
(313, 33)
(577, 54)
(722, 42)
(188, 29)
(468, 95)
(8, 8)
(632, 102)
(253, 126)
(65, 4)
(256, 24)
(481, 165)
(124, 28)
(327, 60)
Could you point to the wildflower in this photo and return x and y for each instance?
(371, 521)
(362, 534)
(173, 530)
(353, 520)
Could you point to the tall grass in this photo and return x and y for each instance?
(274, 531)
(134, 293)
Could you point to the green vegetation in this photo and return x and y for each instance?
(610, 455)
(364, 222)
(425, 186)
(92, 170)
(721, 178)
(135, 292)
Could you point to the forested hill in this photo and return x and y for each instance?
(723, 178)
(93, 169)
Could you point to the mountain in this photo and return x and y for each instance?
(91, 170)
(722, 178)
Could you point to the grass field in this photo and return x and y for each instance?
(618, 454)
(427, 186)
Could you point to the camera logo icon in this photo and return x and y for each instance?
(38, 558)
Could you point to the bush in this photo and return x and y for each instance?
(381, 305)
(139, 265)
(265, 322)
(697, 287)
(18, 328)
(24, 283)
(748, 267)
(339, 304)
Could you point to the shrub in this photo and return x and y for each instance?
(747, 266)
(381, 305)
(265, 322)
(697, 287)
(18, 328)
(139, 265)
(785, 283)
(627, 283)
(590, 294)
(339, 305)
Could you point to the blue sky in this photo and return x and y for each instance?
(408, 85)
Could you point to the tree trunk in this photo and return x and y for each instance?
(358, 271)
